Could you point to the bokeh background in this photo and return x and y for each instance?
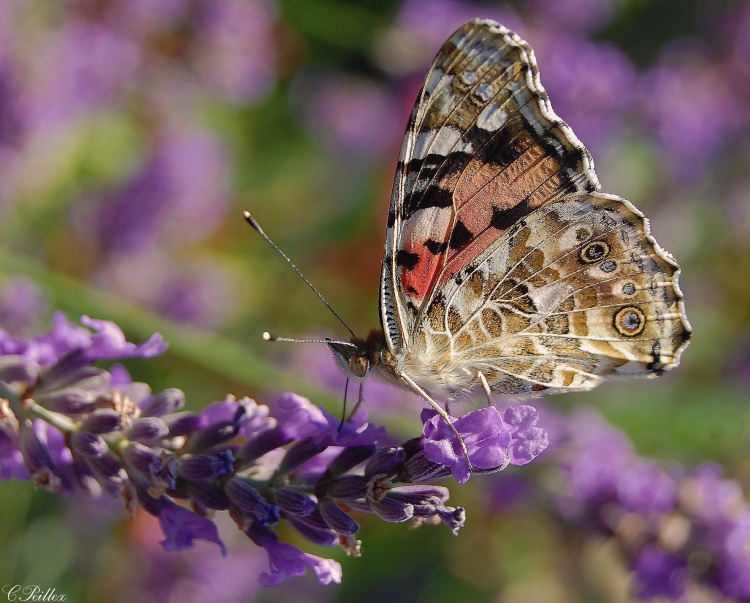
(134, 132)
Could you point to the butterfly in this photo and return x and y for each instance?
(505, 266)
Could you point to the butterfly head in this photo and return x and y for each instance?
(357, 357)
(354, 357)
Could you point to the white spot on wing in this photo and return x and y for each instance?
(432, 81)
(444, 141)
(492, 118)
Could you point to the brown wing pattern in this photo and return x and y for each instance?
(575, 291)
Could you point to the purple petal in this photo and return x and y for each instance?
(181, 527)
(109, 342)
(528, 440)
(486, 436)
(286, 561)
(298, 418)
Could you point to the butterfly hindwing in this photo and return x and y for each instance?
(574, 291)
(482, 149)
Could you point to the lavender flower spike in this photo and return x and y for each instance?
(74, 427)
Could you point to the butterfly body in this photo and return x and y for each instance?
(505, 266)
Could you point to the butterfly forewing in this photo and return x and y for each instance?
(502, 258)
(482, 149)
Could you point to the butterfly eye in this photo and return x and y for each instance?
(593, 252)
(628, 288)
(609, 266)
(630, 321)
(582, 234)
(359, 366)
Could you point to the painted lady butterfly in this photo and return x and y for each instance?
(505, 267)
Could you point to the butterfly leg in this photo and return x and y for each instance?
(343, 410)
(486, 387)
(360, 399)
(447, 418)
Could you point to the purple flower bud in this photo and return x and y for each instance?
(350, 458)
(454, 518)
(107, 465)
(65, 370)
(419, 469)
(392, 510)
(348, 487)
(211, 436)
(147, 429)
(204, 467)
(263, 443)
(140, 457)
(207, 494)
(250, 502)
(164, 403)
(72, 401)
(337, 519)
(419, 495)
(15, 368)
(183, 423)
(293, 501)
(321, 536)
(104, 420)
(36, 455)
(385, 461)
(88, 444)
(300, 452)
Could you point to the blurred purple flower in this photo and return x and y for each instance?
(734, 575)
(677, 527)
(21, 305)
(179, 195)
(142, 18)
(85, 65)
(193, 576)
(692, 108)
(434, 20)
(200, 293)
(585, 16)
(352, 116)
(660, 574)
(591, 84)
(234, 48)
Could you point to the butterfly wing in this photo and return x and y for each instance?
(502, 257)
(482, 149)
(574, 291)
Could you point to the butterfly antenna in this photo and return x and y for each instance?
(268, 337)
(256, 226)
